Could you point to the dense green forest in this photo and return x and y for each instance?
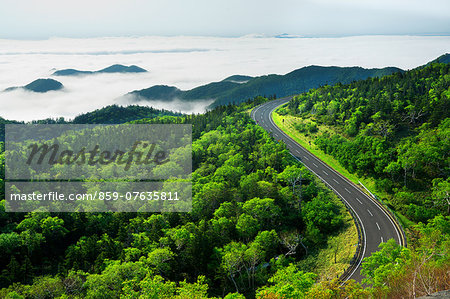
(247, 223)
(393, 129)
(115, 114)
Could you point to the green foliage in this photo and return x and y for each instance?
(395, 271)
(288, 282)
(152, 287)
(306, 128)
(321, 218)
(115, 114)
(381, 263)
(393, 129)
(109, 283)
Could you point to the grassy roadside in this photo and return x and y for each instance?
(307, 141)
(341, 246)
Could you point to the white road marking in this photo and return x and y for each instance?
(316, 165)
(370, 213)
(336, 181)
(382, 240)
(358, 200)
(305, 157)
(347, 190)
(377, 225)
(325, 172)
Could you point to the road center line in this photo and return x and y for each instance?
(336, 181)
(358, 200)
(382, 240)
(370, 213)
(377, 225)
(325, 172)
(305, 157)
(316, 165)
(347, 190)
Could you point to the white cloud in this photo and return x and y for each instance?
(185, 62)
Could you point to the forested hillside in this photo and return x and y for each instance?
(115, 114)
(393, 129)
(40, 85)
(237, 89)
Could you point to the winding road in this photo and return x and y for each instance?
(375, 224)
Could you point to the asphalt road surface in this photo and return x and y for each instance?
(376, 224)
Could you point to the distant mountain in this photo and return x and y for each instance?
(157, 92)
(40, 85)
(71, 72)
(164, 92)
(238, 88)
(286, 35)
(116, 68)
(300, 80)
(238, 79)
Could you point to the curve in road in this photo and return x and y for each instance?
(374, 222)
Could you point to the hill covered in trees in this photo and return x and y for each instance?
(115, 114)
(116, 68)
(394, 129)
(238, 88)
(40, 85)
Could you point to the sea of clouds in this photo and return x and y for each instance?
(184, 62)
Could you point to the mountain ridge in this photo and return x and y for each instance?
(238, 88)
(115, 68)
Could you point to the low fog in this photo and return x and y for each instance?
(184, 62)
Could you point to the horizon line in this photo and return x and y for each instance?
(250, 35)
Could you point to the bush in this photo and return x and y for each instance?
(308, 127)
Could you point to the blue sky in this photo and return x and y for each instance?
(30, 19)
